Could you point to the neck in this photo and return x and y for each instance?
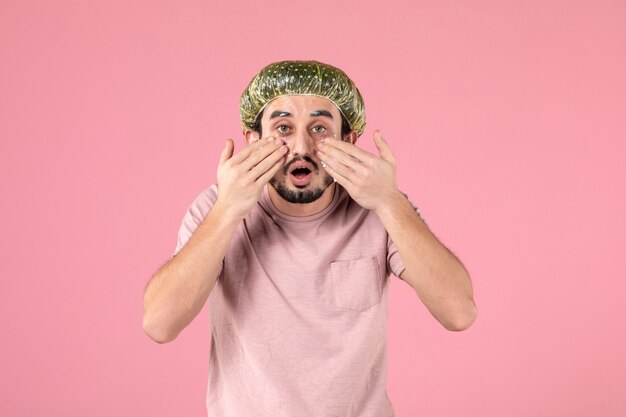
(302, 210)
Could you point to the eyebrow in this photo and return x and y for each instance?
(324, 113)
(279, 113)
(316, 113)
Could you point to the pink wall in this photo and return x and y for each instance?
(508, 123)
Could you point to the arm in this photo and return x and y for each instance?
(436, 275)
(178, 290)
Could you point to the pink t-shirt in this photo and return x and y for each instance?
(299, 312)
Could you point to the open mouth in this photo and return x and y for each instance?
(301, 172)
(300, 176)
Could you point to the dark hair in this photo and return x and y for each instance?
(345, 126)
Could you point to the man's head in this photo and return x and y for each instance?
(302, 102)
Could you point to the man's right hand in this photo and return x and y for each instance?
(240, 178)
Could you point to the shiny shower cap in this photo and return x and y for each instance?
(302, 78)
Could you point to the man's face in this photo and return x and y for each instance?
(301, 121)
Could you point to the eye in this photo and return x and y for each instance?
(319, 129)
(283, 128)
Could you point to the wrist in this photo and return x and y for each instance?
(225, 213)
(392, 204)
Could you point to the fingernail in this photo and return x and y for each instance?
(278, 141)
(270, 138)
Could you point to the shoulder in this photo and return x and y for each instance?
(203, 203)
(196, 212)
(207, 197)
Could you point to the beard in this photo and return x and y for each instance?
(299, 196)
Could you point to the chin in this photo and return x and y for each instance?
(300, 195)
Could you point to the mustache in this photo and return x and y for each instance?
(298, 159)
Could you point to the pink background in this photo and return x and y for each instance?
(508, 120)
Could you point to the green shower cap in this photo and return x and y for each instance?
(302, 78)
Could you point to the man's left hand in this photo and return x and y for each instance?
(369, 179)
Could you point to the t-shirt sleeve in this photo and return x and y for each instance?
(195, 215)
(394, 261)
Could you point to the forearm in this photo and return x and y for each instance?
(179, 289)
(437, 276)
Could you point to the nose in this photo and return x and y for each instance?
(301, 143)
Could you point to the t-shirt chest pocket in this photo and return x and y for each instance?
(356, 283)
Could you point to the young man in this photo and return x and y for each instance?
(293, 248)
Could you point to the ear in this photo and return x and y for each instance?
(251, 136)
(351, 137)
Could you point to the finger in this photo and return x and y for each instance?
(248, 150)
(264, 179)
(227, 152)
(342, 180)
(336, 156)
(271, 145)
(348, 148)
(383, 147)
(268, 163)
(337, 169)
